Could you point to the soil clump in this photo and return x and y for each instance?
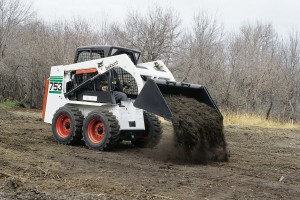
(198, 130)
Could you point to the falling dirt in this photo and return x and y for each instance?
(264, 164)
(198, 129)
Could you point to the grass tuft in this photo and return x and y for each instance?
(10, 104)
(231, 118)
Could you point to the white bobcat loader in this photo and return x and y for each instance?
(79, 100)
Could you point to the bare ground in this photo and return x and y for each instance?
(263, 164)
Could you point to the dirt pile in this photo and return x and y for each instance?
(198, 130)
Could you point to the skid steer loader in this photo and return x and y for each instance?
(79, 98)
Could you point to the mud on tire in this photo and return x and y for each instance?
(152, 134)
(100, 130)
(67, 125)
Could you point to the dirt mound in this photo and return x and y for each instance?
(198, 129)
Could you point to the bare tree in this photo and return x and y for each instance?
(201, 56)
(155, 33)
(36, 47)
(12, 13)
(290, 53)
(254, 68)
(66, 36)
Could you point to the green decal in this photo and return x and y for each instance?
(56, 84)
(56, 80)
(55, 92)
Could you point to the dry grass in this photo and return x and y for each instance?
(9, 104)
(254, 120)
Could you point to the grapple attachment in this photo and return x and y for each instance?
(151, 98)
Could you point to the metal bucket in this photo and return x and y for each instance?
(151, 98)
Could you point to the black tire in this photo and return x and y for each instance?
(67, 125)
(100, 130)
(152, 134)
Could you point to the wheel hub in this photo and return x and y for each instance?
(63, 126)
(100, 130)
(96, 130)
(67, 125)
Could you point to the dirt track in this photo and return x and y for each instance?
(33, 165)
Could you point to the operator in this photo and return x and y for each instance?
(118, 89)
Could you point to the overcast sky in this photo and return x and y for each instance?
(283, 14)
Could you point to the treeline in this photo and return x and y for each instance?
(253, 70)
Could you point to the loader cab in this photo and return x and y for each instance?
(86, 53)
(97, 88)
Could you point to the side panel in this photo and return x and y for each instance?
(45, 98)
(55, 98)
(129, 117)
